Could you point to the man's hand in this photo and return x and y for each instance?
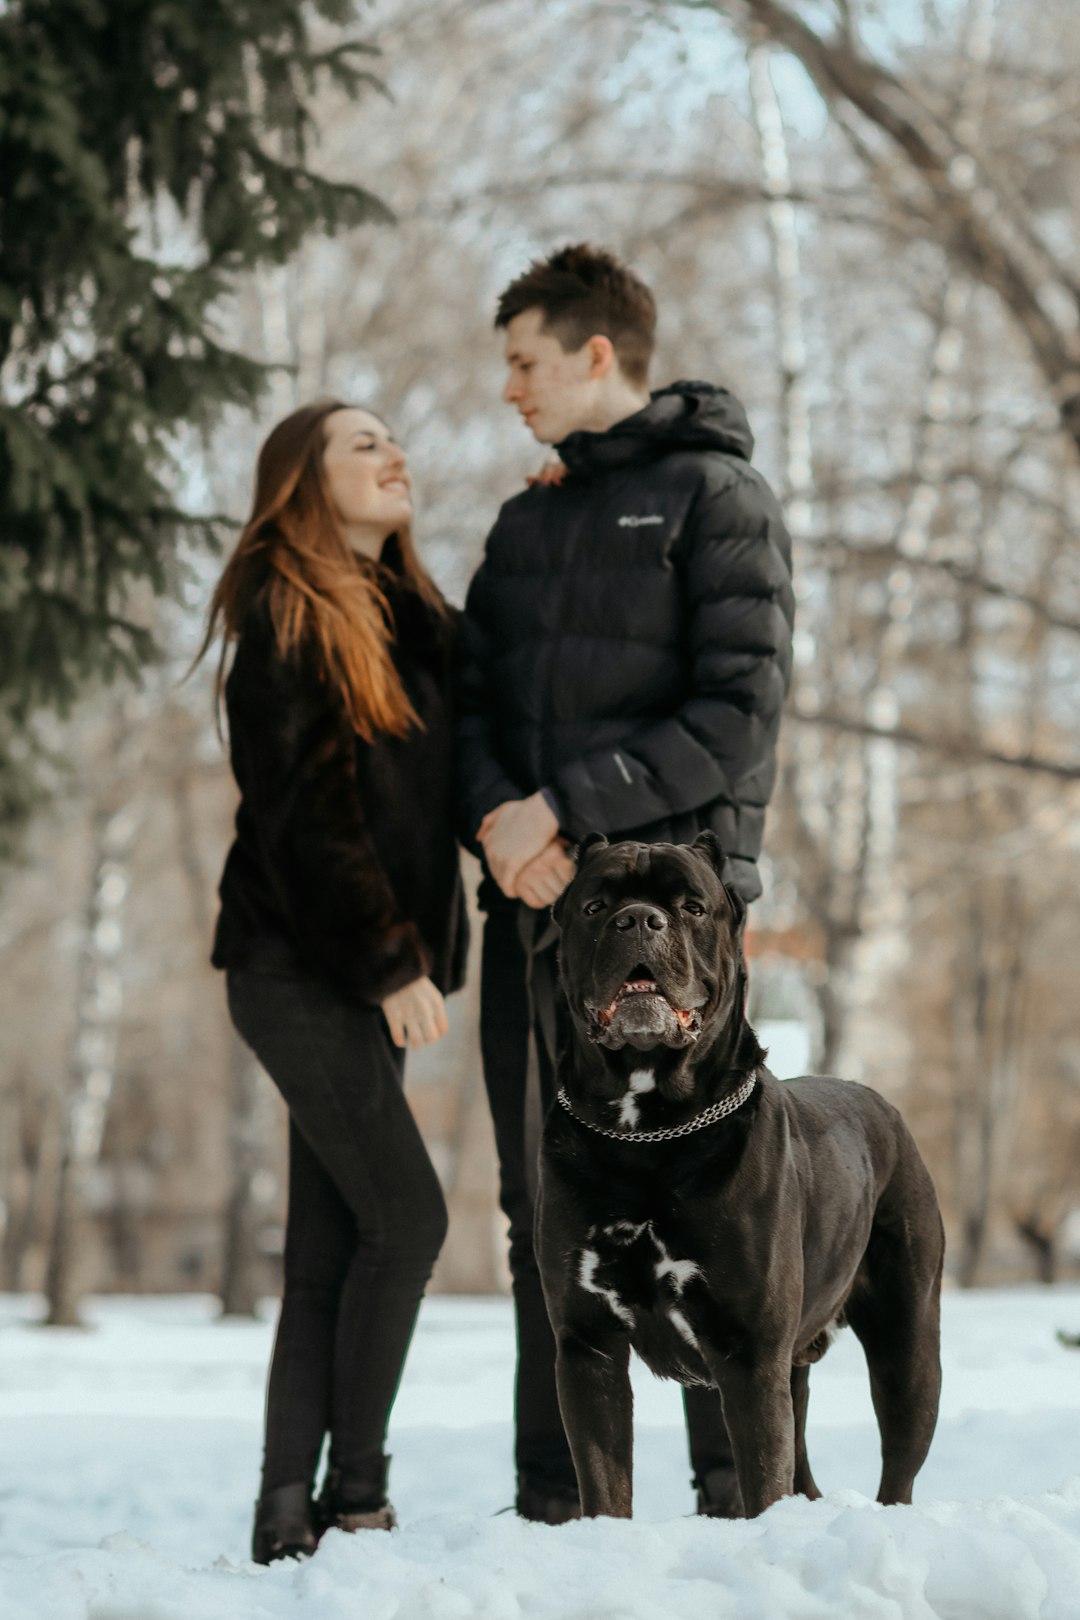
(541, 882)
(416, 1014)
(512, 834)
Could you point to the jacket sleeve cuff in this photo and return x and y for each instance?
(554, 804)
(402, 957)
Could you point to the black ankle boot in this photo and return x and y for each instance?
(356, 1501)
(284, 1524)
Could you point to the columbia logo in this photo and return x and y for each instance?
(638, 522)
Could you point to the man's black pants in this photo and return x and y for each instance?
(366, 1221)
(542, 1454)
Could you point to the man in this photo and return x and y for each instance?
(626, 651)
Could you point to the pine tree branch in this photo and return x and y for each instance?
(122, 126)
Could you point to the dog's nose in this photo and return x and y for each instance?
(641, 917)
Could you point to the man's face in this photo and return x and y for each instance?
(554, 392)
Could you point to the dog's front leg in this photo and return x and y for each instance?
(597, 1407)
(761, 1426)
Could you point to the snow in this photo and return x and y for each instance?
(130, 1456)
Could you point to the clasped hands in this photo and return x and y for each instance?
(529, 862)
(525, 855)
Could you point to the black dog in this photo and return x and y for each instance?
(720, 1222)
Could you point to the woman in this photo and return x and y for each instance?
(342, 927)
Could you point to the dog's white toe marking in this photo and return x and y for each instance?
(641, 1081)
(587, 1278)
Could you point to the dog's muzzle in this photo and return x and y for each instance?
(641, 1015)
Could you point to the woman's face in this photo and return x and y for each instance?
(367, 479)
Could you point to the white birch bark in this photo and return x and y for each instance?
(791, 342)
(824, 788)
(96, 1030)
(913, 535)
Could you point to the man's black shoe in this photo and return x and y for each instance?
(546, 1506)
(718, 1495)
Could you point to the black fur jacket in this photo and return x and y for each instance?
(344, 862)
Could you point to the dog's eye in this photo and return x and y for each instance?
(594, 906)
(694, 907)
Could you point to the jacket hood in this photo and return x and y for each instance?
(685, 416)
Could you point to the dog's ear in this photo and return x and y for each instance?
(588, 845)
(737, 904)
(708, 845)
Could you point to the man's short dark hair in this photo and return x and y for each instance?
(583, 292)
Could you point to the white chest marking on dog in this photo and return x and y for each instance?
(587, 1278)
(680, 1271)
(677, 1272)
(641, 1081)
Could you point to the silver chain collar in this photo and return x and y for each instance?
(709, 1116)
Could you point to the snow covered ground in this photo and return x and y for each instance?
(128, 1460)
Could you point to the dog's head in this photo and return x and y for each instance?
(651, 952)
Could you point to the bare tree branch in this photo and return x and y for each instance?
(954, 748)
(839, 551)
(982, 226)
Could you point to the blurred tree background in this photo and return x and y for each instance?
(860, 217)
(152, 155)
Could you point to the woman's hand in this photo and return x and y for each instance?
(416, 1014)
(552, 472)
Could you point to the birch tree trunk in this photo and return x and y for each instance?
(991, 976)
(915, 530)
(28, 1131)
(787, 293)
(826, 774)
(240, 1253)
(92, 1063)
(245, 1125)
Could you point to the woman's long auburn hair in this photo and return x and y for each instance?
(318, 589)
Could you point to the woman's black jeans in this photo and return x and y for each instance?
(366, 1221)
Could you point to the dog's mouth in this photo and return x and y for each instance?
(640, 1008)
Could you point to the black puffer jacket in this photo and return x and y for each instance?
(344, 863)
(627, 638)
